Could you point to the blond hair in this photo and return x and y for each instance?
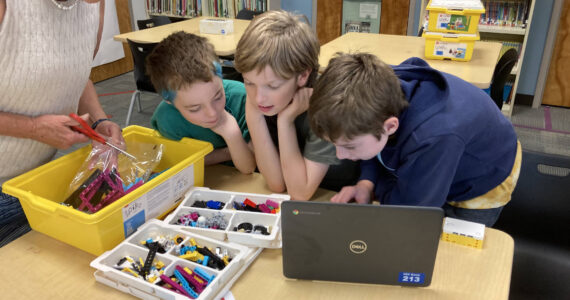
(354, 96)
(278, 39)
(180, 60)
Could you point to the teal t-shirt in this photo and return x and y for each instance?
(171, 124)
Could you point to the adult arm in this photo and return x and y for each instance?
(89, 103)
(53, 130)
(2, 9)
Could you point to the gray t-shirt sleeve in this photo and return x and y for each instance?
(319, 150)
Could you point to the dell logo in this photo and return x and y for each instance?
(358, 247)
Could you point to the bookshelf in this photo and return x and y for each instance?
(196, 8)
(506, 21)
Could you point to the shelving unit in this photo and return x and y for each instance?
(196, 8)
(518, 33)
(515, 32)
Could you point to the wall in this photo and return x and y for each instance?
(535, 46)
(304, 7)
(138, 12)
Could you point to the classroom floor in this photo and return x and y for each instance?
(546, 129)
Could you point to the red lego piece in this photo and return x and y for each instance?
(249, 203)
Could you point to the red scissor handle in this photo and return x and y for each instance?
(86, 130)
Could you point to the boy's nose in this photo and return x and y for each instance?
(259, 97)
(210, 112)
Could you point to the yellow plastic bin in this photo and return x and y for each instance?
(451, 46)
(454, 16)
(43, 189)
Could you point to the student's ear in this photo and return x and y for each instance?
(391, 125)
(303, 77)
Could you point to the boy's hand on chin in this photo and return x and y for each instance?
(226, 125)
(298, 105)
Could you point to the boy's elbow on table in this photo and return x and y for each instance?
(276, 187)
(301, 195)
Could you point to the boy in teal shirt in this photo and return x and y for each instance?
(198, 103)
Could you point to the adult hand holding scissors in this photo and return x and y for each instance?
(85, 129)
(55, 130)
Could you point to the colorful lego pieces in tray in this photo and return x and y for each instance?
(269, 207)
(229, 223)
(163, 261)
(203, 255)
(149, 269)
(211, 204)
(247, 227)
(165, 242)
(194, 219)
(187, 282)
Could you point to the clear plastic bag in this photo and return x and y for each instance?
(105, 176)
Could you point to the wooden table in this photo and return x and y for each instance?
(394, 49)
(224, 45)
(37, 266)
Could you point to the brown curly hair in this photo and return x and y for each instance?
(180, 60)
(354, 96)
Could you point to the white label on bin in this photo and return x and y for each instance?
(443, 20)
(133, 216)
(157, 201)
(450, 50)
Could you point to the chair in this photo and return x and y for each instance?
(140, 52)
(160, 20)
(246, 14)
(537, 218)
(144, 24)
(500, 75)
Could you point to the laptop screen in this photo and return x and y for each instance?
(379, 244)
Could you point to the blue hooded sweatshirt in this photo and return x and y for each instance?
(453, 143)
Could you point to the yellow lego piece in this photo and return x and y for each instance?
(127, 270)
(193, 256)
(465, 233)
(193, 242)
(159, 264)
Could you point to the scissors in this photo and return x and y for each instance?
(92, 134)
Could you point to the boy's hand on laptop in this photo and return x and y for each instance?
(298, 105)
(360, 192)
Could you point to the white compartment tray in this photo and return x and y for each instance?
(241, 258)
(232, 216)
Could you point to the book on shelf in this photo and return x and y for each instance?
(195, 8)
(506, 46)
(509, 13)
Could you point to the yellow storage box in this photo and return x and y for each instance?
(451, 46)
(43, 189)
(454, 16)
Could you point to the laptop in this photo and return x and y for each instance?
(379, 244)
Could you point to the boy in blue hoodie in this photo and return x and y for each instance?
(425, 137)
